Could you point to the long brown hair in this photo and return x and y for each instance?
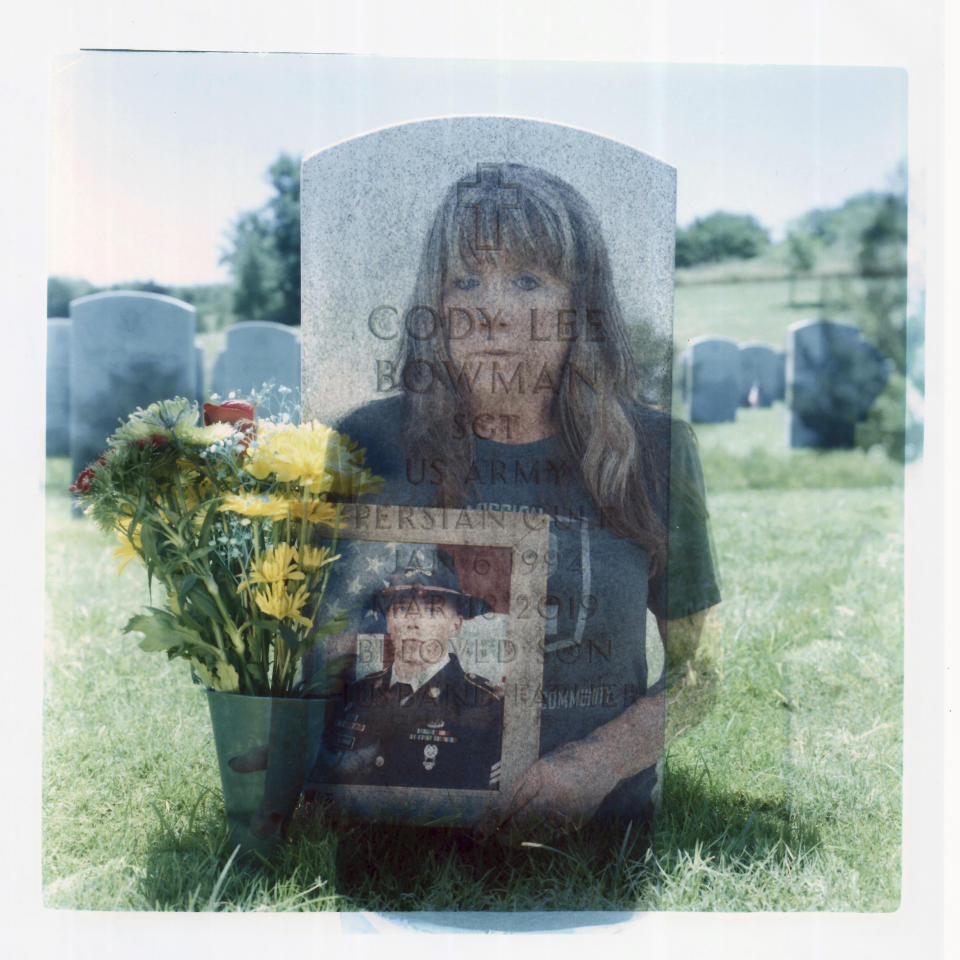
(551, 227)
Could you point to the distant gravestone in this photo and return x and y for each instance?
(218, 374)
(259, 352)
(367, 205)
(683, 373)
(128, 349)
(758, 375)
(201, 380)
(781, 370)
(713, 379)
(58, 387)
(833, 377)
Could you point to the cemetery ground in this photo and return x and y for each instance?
(783, 780)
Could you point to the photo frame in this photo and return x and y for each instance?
(452, 748)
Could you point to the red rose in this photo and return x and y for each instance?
(238, 412)
(233, 411)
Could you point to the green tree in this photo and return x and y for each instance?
(882, 260)
(720, 236)
(264, 258)
(882, 316)
(61, 290)
(144, 286)
(801, 256)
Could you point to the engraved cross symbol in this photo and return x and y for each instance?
(488, 195)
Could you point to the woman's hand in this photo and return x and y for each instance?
(564, 787)
(567, 785)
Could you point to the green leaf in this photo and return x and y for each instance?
(222, 676)
(203, 601)
(161, 632)
(188, 581)
(208, 521)
(256, 673)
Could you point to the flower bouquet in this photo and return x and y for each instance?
(235, 520)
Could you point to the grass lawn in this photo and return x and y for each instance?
(783, 774)
(756, 309)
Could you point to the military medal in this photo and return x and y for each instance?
(429, 756)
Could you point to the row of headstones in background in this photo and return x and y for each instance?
(259, 352)
(718, 375)
(829, 376)
(120, 350)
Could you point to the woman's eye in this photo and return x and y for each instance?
(465, 283)
(526, 281)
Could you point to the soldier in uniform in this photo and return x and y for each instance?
(422, 721)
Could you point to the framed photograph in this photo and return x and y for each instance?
(439, 711)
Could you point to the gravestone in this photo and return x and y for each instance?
(367, 204)
(201, 380)
(833, 377)
(758, 375)
(683, 367)
(781, 372)
(713, 380)
(368, 207)
(128, 349)
(58, 387)
(257, 353)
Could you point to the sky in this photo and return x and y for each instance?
(153, 155)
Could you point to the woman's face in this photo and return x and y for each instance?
(512, 315)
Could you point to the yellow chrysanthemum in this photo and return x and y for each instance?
(258, 505)
(127, 551)
(311, 454)
(279, 508)
(318, 511)
(276, 566)
(313, 558)
(275, 601)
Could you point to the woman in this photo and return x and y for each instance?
(519, 392)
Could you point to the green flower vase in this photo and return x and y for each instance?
(266, 746)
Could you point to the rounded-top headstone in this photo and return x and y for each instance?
(367, 204)
(833, 377)
(58, 387)
(713, 379)
(128, 349)
(758, 374)
(260, 352)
